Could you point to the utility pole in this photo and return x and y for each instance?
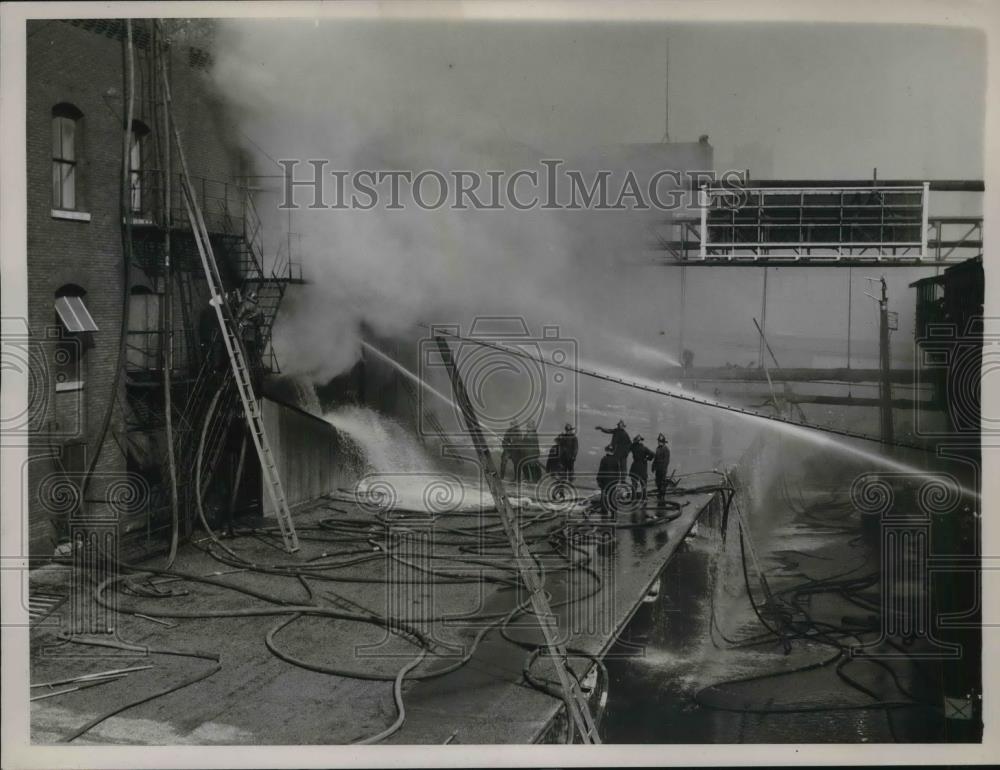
(885, 391)
(680, 324)
(666, 91)
(763, 321)
(885, 368)
(849, 290)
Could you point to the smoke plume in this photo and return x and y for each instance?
(299, 92)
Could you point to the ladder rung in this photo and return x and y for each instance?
(237, 358)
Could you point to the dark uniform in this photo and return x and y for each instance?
(532, 453)
(661, 463)
(620, 446)
(569, 447)
(510, 449)
(553, 464)
(249, 325)
(607, 479)
(639, 471)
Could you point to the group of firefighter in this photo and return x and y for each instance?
(615, 476)
(521, 449)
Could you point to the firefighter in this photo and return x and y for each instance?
(620, 444)
(532, 452)
(607, 480)
(661, 463)
(554, 468)
(553, 464)
(510, 448)
(639, 470)
(249, 324)
(569, 446)
(248, 311)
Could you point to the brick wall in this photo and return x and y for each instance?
(66, 63)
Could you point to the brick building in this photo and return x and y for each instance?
(104, 299)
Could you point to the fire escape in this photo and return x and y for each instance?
(175, 355)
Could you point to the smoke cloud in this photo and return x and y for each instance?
(297, 94)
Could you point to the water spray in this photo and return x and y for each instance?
(813, 433)
(416, 378)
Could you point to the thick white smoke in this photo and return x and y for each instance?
(297, 95)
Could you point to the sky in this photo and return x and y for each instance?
(808, 100)
(784, 101)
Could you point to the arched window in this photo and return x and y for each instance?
(65, 155)
(144, 335)
(136, 165)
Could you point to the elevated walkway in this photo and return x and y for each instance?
(837, 224)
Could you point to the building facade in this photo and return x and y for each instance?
(116, 289)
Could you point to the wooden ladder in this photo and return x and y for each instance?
(234, 348)
(575, 699)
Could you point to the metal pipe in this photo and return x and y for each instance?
(96, 675)
(703, 237)
(168, 323)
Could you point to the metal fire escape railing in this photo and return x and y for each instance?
(236, 229)
(823, 224)
(230, 326)
(246, 253)
(233, 224)
(221, 198)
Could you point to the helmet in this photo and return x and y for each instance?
(609, 449)
(661, 439)
(621, 423)
(638, 438)
(568, 428)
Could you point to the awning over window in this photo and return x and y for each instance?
(74, 315)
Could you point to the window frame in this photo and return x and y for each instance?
(65, 128)
(145, 344)
(138, 136)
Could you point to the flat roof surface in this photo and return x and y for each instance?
(257, 698)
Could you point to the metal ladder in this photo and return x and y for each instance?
(575, 699)
(234, 348)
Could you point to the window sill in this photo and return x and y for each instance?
(76, 216)
(62, 387)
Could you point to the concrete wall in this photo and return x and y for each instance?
(309, 452)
